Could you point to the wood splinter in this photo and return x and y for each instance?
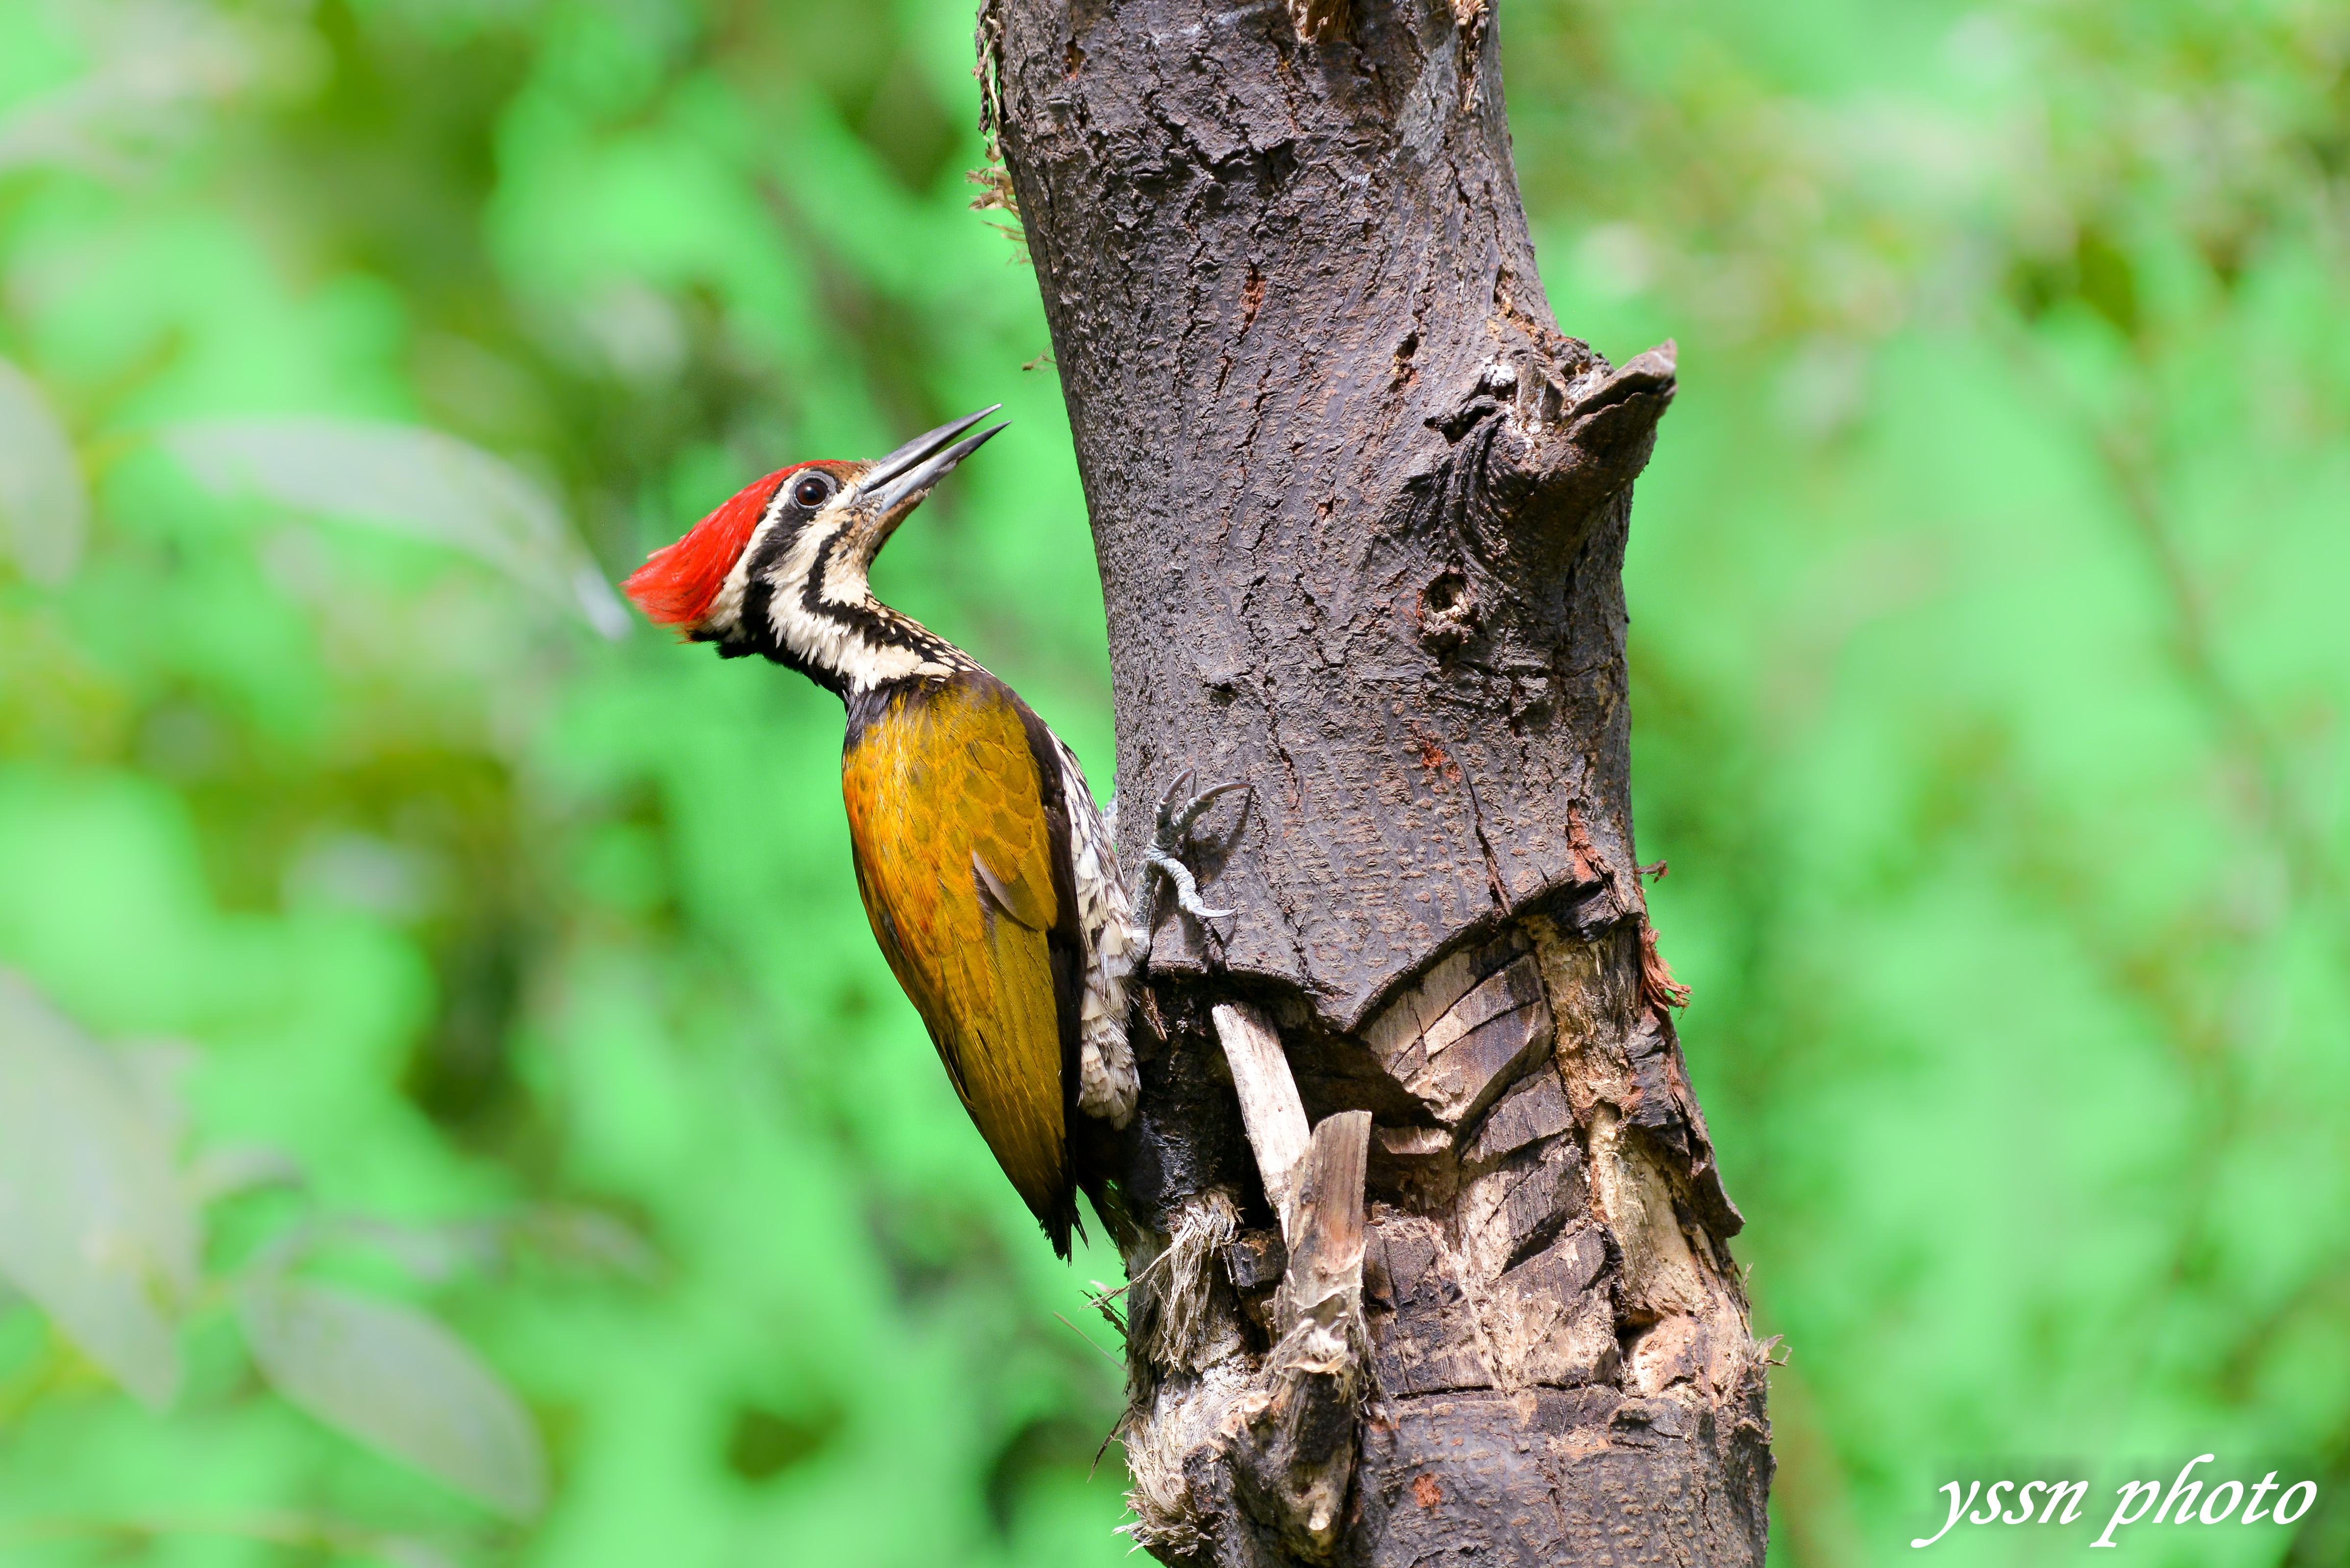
(1290, 1432)
(1271, 1111)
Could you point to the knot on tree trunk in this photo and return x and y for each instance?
(1535, 454)
(1535, 449)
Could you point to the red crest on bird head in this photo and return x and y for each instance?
(677, 582)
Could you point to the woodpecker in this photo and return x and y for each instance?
(987, 872)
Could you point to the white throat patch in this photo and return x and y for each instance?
(836, 643)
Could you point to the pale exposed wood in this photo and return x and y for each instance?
(1317, 19)
(1270, 1108)
(1292, 1431)
(1324, 1220)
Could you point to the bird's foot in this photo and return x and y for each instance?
(1164, 858)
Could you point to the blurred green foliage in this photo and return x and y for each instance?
(1989, 677)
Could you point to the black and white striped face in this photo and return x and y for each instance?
(800, 591)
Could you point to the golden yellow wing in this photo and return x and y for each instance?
(954, 859)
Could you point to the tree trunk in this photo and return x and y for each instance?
(1360, 510)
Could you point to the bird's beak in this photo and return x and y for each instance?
(895, 485)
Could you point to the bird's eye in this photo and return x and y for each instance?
(811, 491)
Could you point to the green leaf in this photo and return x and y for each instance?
(406, 479)
(399, 1382)
(149, 75)
(96, 1226)
(44, 504)
(427, 1253)
(584, 1239)
(233, 1169)
(406, 1551)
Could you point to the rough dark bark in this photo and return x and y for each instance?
(1360, 510)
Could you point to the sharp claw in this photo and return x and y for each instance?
(1186, 891)
(1199, 805)
(1175, 821)
(1177, 788)
(1162, 857)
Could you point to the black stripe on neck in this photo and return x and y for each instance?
(869, 622)
(875, 624)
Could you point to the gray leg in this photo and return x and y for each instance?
(1164, 858)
